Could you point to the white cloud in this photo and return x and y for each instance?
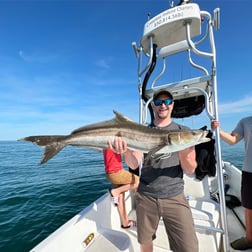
(104, 63)
(239, 106)
(36, 57)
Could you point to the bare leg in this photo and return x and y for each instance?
(146, 247)
(122, 210)
(124, 188)
(248, 219)
(120, 193)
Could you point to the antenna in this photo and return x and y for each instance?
(184, 2)
(217, 18)
(171, 2)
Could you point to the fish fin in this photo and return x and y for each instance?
(154, 150)
(51, 150)
(119, 120)
(121, 117)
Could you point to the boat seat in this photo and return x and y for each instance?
(205, 210)
(199, 198)
(196, 189)
(109, 240)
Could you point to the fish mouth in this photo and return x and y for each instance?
(185, 137)
(200, 135)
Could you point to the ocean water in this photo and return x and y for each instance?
(37, 199)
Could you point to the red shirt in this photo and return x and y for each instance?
(112, 161)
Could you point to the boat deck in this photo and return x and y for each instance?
(98, 226)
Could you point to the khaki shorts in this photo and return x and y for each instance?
(122, 177)
(177, 218)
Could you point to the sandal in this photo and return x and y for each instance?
(114, 199)
(132, 224)
(241, 244)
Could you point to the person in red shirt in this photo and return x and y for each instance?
(122, 181)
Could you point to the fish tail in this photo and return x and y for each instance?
(51, 150)
(52, 144)
(43, 140)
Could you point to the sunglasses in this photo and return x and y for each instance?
(160, 102)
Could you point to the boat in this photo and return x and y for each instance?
(181, 31)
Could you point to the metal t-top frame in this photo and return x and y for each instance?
(177, 30)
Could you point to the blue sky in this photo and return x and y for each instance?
(65, 64)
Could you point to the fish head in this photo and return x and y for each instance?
(188, 138)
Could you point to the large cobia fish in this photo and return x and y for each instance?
(138, 137)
